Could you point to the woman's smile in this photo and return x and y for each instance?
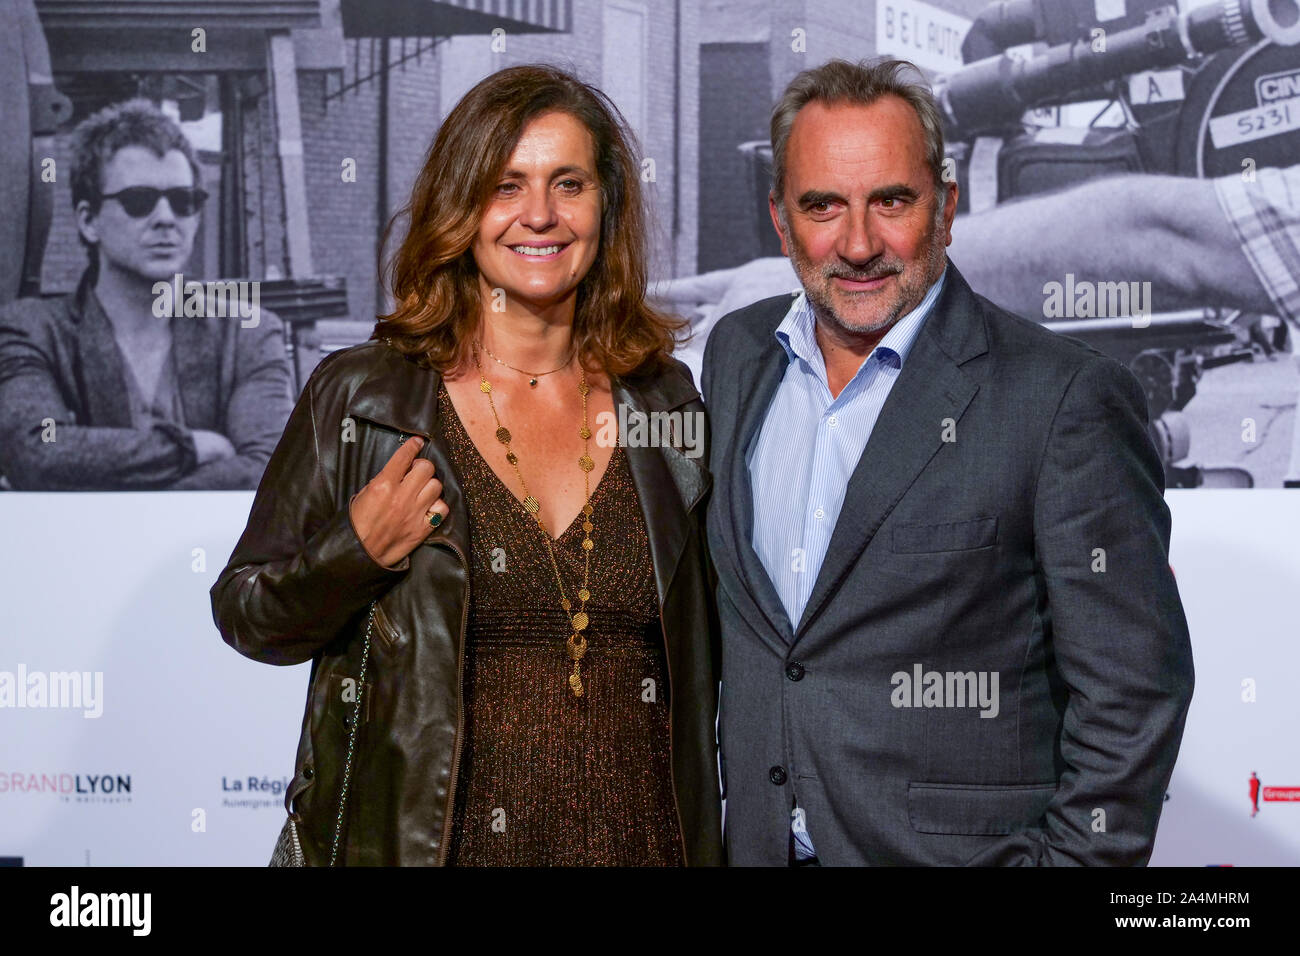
(539, 252)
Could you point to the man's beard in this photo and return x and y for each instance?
(816, 279)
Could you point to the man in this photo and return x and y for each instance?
(950, 629)
(99, 393)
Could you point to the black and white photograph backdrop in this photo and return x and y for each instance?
(1128, 174)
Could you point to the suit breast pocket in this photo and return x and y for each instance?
(968, 535)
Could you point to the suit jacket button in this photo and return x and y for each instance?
(794, 671)
(777, 775)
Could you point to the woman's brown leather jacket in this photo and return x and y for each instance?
(299, 584)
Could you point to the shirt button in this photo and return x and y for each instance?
(832, 421)
(794, 671)
(777, 775)
(819, 514)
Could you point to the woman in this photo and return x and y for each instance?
(539, 683)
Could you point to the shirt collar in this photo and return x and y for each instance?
(797, 337)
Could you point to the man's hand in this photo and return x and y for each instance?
(211, 446)
(390, 514)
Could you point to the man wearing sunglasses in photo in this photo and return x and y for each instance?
(99, 393)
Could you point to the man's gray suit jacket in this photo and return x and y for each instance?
(1007, 515)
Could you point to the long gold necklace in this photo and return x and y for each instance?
(577, 643)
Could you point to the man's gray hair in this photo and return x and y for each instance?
(862, 83)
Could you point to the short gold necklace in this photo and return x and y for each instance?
(532, 376)
(577, 644)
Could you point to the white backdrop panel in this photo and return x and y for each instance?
(113, 584)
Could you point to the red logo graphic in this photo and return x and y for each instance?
(1270, 794)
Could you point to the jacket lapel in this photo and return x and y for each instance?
(403, 396)
(909, 432)
(768, 369)
(668, 483)
(103, 374)
(102, 381)
(194, 344)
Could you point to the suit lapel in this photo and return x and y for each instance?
(768, 369)
(103, 382)
(194, 345)
(909, 432)
(103, 373)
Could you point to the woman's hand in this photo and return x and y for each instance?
(391, 513)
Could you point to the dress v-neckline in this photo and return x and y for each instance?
(595, 492)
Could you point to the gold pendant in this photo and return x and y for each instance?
(575, 682)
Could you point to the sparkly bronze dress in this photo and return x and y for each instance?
(547, 778)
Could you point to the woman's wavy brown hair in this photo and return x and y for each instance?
(433, 276)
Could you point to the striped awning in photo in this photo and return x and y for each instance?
(414, 18)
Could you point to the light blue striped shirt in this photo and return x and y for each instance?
(810, 443)
(802, 458)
